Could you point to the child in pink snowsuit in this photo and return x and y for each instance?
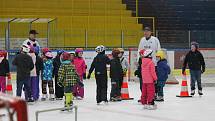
(80, 66)
(149, 77)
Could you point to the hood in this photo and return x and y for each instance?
(163, 61)
(146, 61)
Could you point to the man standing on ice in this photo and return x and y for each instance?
(149, 42)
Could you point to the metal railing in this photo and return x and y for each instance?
(55, 109)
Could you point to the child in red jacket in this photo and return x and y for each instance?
(148, 77)
(80, 67)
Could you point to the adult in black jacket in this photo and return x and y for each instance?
(100, 65)
(59, 91)
(24, 64)
(196, 64)
(116, 75)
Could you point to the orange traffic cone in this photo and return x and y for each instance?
(184, 87)
(124, 90)
(9, 87)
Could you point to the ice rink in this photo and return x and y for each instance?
(173, 109)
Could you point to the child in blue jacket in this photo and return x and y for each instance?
(163, 70)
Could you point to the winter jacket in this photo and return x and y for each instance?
(163, 70)
(56, 64)
(116, 72)
(148, 71)
(39, 64)
(4, 67)
(31, 43)
(100, 64)
(80, 66)
(24, 64)
(152, 43)
(195, 61)
(47, 70)
(67, 75)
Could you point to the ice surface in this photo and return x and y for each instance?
(173, 109)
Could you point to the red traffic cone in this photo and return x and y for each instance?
(184, 87)
(124, 90)
(9, 87)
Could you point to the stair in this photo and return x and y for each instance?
(103, 20)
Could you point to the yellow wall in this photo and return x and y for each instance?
(102, 19)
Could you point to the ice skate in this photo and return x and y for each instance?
(159, 99)
(51, 98)
(58, 98)
(105, 102)
(145, 106)
(79, 98)
(44, 96)
(192, 92)
(113, 99)
(200, 92)
(152, 107)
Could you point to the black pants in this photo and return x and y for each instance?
(115, 88)
(101, 82)
(20, 84)
(50, 85)
(59, 91)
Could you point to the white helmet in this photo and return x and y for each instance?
(100, 48)
(148, 53)
(25, 48)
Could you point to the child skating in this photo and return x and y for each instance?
(47, 74)
(116, 75)
(67, 78)
(163, 70)
(80, 67)
(59, 91)
(24, 64)
(100, 65)
(149, 77)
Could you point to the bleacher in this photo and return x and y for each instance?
(175, 18)
(104, 21)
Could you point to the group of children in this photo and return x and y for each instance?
(118, 68)
(152, 78)
(69, 71)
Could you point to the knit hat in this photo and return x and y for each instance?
(115, 52)
(45, 50)
(195, 44)
(48, 55)
(78, 50)
(66, 56)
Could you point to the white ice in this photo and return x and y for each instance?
(173, 109)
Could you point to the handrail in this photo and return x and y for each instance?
(55, 109)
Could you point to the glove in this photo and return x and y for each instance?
(88, 76)
(84, 76)
(203, 70)
(80, 83)
(136, 73)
